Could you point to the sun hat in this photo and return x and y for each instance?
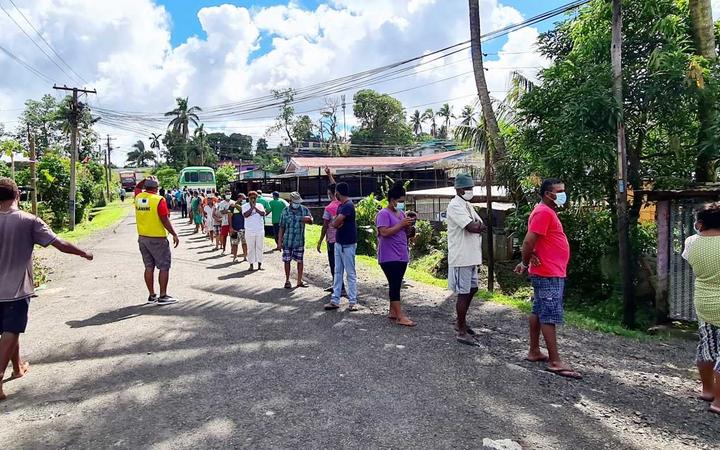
(463, 181)
(295, 197)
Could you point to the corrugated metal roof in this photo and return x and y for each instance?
(498, 192)
(302, 164)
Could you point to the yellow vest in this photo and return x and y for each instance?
(146, 215)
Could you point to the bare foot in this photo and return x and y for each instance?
(21, 371)
(2, 394)
(706, 396)
(536, 357)
(405, 321)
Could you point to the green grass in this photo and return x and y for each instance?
(101, 218)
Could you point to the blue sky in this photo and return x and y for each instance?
(185, 22)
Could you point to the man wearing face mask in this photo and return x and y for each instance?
(223, 210)
(546, 252)
(291, 237)
(464, 228)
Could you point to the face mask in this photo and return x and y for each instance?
(560, 198)
(295, 205)
(468, 195)
(227, 197)
(400, 206)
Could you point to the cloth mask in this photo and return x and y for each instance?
(467, 196)
(400, 206)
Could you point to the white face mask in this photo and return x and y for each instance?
(468, 195)
(560, 198)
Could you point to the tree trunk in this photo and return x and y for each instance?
(704, 39)
(498, 144)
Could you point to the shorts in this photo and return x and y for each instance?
(293, 254)
(238, 237)
(708, 349)
(224, 230)
(461, 280)
(548, 299)
(14, 316)
(276, 231)
(216, 228)
(155, 252)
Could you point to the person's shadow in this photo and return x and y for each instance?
(104, 318)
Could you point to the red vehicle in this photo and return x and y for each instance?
(128, 180)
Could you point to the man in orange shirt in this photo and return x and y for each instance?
(546, 253)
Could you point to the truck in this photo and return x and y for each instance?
(129, 178)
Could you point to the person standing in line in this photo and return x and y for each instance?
(546, 253)
(464, 229)
(203, 204)
(237, 228)
(196, 211)
(188, 195)
(177, 199)
(393, 254)
(19, 233)
(263, 201)
(702, 252)
(345, 249)
(328, 232)
(254, 213)
(209, 213)
(291, 237)
(217, 221)
(122, 194)
(152, 217)
(182, 199)
(276, 206)
(223, 210)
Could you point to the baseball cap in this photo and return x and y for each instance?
(151, 183)
(276, 194)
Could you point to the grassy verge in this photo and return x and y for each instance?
(101, 218)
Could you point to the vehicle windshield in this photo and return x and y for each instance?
(198, 177)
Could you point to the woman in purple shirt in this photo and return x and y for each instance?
(392, 226)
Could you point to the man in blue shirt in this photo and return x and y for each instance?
(345, 248)
(291, 237)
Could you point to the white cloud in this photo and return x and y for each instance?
(123, 49)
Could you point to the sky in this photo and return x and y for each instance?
(142, 54)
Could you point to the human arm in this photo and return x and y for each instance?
(323, 231)
(382, 222)
(307, 218)
(528, 256)
(331, 178)
(260, 209)
(475, 227)
(164, 214)
(67, 247)
(338, 221)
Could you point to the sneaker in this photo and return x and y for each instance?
(152, 298)
(331, 306)
(166, 300)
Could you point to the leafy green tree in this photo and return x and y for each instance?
(10, 148)
(285, 120)
(302, 130)
(262, 146)
(155, 139)
(468, 117)
(224, 175)
(182, 117)
(167, 177)
(232, 147)
(382, 120)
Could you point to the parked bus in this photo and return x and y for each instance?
(200, 178)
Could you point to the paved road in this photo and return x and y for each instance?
(243, 363)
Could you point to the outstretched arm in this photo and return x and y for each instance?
(72, 249)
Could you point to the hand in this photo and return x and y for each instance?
(318, 246)
(307, 219)
(534, 260)
(407, 222)
(520, 268)
(327, 170)
(176, 240)
(89, 256)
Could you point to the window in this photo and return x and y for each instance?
(191, 177)
(206, 177)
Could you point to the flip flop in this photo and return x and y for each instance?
(714, 409)
(352, 308)
(705, 399)
(331, 307)
(409, 325)
(566, 373)
(541, 359)
(288, 285)
(303, 285)
(470, 331)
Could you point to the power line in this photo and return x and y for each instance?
(33, 70)
(47, 43)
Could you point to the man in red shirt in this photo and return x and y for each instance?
(546, 252)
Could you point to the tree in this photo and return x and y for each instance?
(302, 130)
(416, 122)
(155, 142)
(167, 177)
(200, 146)
(329, 122)
(139, 157)
(233, 147)
(262, 146)
(429, 114)
(467, 116)
(182, 117)
(703, 34)
(446, 113)
(285, 120)
(224, 175)
(382, 120)
(10, 148)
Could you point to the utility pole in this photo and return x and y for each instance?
(33, 171)
(75, 112)
(344, 124)
(107, 173)
(621, 194)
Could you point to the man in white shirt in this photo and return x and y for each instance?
(209, 211)
(254, 213)
(464, 228)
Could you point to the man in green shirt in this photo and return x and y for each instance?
(276, 207)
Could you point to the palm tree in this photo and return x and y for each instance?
(155, 142)
(183, 117)
(446, 113)
(199, 137)
(467, 116)
(429, 114)
(416, 122)
(139, 157)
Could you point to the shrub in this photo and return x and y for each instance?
(167, 177)
(424, 242)
(224, 175)
(365, 212)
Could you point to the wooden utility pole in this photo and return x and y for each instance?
(496, 146)
(344, 124)
(107, 173)
(625, 256)
(75, 112)
(33, 171)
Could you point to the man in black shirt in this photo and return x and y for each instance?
(345, 249)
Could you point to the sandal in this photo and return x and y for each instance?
(288, 285)
(331, 306)
(302, 284)
(471, 342)
(567, 373)
(714, 409)
(353, 308)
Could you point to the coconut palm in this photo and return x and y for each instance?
(446, 113)
(416, 122)
(199, 138)
(467, 116)
(183, 116)
(139, 157)
(429, 114)
(155, 142)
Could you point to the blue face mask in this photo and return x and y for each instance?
(560, 198)
(400, 206)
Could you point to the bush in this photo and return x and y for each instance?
(167, 177)
(365, 212)
(424, 242)
(224, 175)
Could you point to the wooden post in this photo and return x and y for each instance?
(625, 254)
(489, 224)
(33, 171)
(662, 306)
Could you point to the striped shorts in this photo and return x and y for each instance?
(708, 349)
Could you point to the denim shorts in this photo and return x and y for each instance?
(14, 316)
(548, 299)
